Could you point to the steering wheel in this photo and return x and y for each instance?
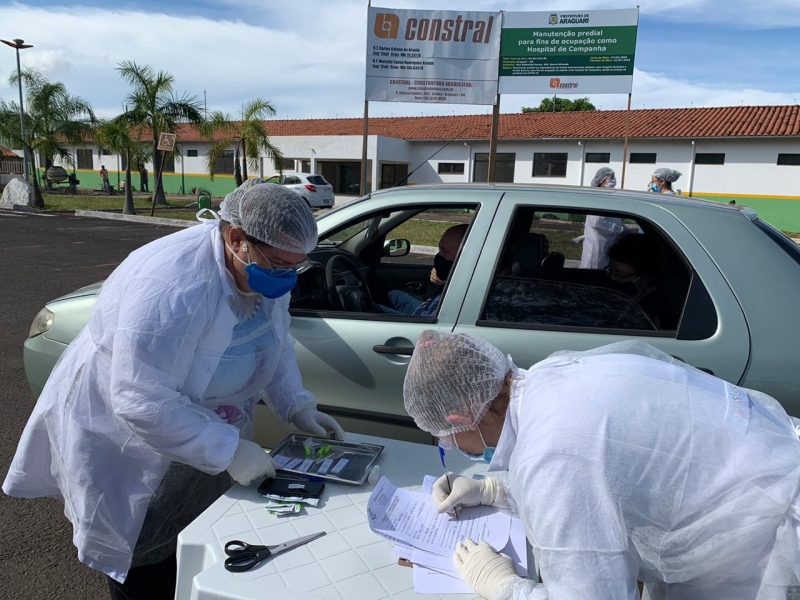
(350, 298)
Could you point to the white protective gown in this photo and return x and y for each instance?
(131, 393)
(625, 467)
(599, 235)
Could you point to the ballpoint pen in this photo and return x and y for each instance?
(447, 477)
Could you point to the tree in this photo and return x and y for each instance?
(121, 137)
(561, 105)
(54, 121)
(248, 135)
(155, 105)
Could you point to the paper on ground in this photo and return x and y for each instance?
(410, 518)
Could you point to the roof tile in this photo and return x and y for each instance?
(721, 122)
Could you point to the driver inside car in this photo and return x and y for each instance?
(404, 303)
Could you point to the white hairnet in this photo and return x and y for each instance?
(272, 214)
(666, 174)
(601, 175)
(452, 380)
(229, 209)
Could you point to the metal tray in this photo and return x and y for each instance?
(360, 458)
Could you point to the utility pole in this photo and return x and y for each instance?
(18, 45)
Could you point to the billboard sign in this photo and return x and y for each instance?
(432, 56)
(577, 52)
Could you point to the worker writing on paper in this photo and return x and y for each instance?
(152, 403)
(623, 463)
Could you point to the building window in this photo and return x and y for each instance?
(85, 159)
(224, 164)
(305, 166)
(643, 158)
(598, 157)
(504, 167)
(451, 168)
(168, 161)
(288, 164)
(105, 152)
(709, 158)
(550, 164)
(792, 160)
(191, 153)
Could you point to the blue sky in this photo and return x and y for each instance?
(307, 56)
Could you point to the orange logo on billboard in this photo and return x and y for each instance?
(387, 25)
(555, 82)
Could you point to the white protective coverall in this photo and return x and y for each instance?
(690, 486)
(131, 393)
(599, 235)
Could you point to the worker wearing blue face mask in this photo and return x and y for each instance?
(148, 414)
(623, 463)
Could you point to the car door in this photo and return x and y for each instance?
(355, 363)
(725, 352)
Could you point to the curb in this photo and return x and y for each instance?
(429, 250)
(96, 214)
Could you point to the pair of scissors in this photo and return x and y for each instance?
(243, 556)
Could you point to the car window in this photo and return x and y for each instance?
(317, 180)
(424, 230)
(348, 232)
(541, 281)
(783, 241)
(274, 179)
(291, 180)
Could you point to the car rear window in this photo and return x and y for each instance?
(783, 241)
(317, 180)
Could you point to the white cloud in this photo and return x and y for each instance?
(308, 60)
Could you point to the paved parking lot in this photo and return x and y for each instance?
(41, 258)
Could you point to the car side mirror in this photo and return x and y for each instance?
(396, 248)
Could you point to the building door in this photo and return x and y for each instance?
(392, 173)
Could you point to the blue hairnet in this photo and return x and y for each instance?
(666, 174)
(601, 175)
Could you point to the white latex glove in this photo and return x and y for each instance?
(250, 462)
(466, 492)
(312, 421)
(482, 567)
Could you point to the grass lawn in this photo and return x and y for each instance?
(561, 241)
(421, 232)
(79, 202)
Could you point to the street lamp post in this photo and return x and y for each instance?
(18, 45)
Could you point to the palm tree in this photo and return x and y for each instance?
(156, 105)
(54, 121)
(121, 137)
(248, 135)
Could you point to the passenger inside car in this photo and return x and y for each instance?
(639, 262)
(404, 303)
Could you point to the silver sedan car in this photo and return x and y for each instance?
(722, 292)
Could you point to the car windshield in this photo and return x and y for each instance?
(342, 235)
(317, 180)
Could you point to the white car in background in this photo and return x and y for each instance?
(314, 188)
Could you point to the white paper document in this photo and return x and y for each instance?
(410, 518)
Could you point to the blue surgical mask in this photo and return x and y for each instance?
(654, 188)
(270, 283)
(488, 451)
(612, 183)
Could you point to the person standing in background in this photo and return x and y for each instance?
(600, 232)
(144, 183)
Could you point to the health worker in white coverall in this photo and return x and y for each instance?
(152, 403)
(623, 464)
(600, 232)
